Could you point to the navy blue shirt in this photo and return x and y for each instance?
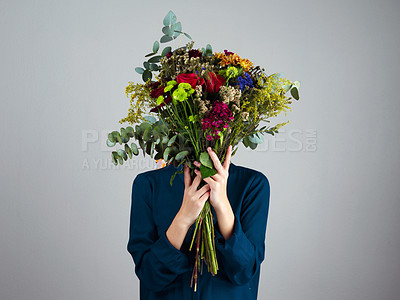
(165, 271)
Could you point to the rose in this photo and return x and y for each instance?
(214, 83)
(190, 78)
(157, 92)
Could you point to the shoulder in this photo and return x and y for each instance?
(253, 176)
(151, 175)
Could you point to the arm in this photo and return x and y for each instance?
(158, 263)
(243, 252)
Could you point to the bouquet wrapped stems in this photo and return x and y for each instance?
(205, 240)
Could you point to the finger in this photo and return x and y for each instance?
(186, 172)
(196, 181)
(204, 197)
(201, 191)
(228, 157)
(216, 177)
(210, 181)
(215, 159)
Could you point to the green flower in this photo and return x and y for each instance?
(232, 72)
(179, 95)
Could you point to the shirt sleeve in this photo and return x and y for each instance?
(243, 252)
(157, 262)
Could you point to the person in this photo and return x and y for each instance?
(162, 223)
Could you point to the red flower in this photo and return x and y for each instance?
(157, 92)
(215, 82)
(194, 53)
(190, 78)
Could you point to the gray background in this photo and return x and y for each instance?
(334, 170)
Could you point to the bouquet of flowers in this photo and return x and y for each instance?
(194, 99)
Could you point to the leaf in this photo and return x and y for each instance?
(252, 145)
(295, 93)
(181, 155)
(156, 46)
(150, 119)
(114, 156)
(111, 137)
(172, 140)
(165, 39)
(165, 139)
(165, 51)
(177, 29)
(206, 160)
(147, 75)
(167, 30)
(188, 36)
(139, 70)
(122, 154)
(207, 172)
(147, 134)
(166, 153)
(154, 59)
(134, 149)
(150, 54)
(256, 138)
(110, 144)
(169, 19)
(153, 67)
(129, 131)
(146, 64)
(128, 150)
(246, 141)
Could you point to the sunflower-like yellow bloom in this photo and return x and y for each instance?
(234, 59)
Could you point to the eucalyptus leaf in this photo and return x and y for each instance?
(156, 46)
(188, 36)
(150, 54)
(167, 30)
(154, 59)
(165, 39)
(150, 119)
(147, 75)
(110, 144)
(114, 156)
(130, 131)
(112, 138)
(165, 51)
(128, 150)
(153, 67)
(147, 134)
(122, 153)
(139, 70)
(177, 29)
(169, 19)
(295, 93)
(134, 148)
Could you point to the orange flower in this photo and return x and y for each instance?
(234, 59)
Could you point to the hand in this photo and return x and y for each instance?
(218, 182)
(193, 199)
